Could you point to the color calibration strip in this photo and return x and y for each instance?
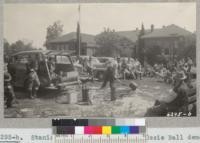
(98, 126)
(99, 130)
(99, 122)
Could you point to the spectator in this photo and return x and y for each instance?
(33, 83)
(124, 67)
(90, 67)
(51, 66)
(8, 89)
(119, 67)
(190, 63)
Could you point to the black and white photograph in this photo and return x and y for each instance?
(107, 60)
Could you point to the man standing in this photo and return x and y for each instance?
(124, 67)
(190, 63)
(8, 89)
(51, 66)
(90, 68)
(110, 76)
(119, 67)
(33, 83)
(138, 69)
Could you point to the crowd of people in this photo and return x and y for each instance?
(119, 68)
(114, 69)
(182, 76)
(131, 68)
(169, 72)
(126, 68)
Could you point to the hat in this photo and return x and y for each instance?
(181, 75)
(7, 77)
(32, 70)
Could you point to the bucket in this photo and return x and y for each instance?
(73, 97)
(70, 96)
(85, 94)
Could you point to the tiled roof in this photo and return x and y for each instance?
(168, 31)
(87, 38)
(133, 35)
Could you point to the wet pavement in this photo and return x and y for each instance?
(129, 103)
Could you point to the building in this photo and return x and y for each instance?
(68, 42)
(133, 37)
(169, 39)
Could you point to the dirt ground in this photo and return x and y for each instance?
(54, 104)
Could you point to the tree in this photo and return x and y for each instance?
(18, 46)
(187, 48)
(6, 47)
(112, 44)
(53, 31)
(153, 55)
(141, 50)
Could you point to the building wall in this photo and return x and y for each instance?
(128, 52)
(90, 51)
(61, 46)
(172, 47)
(164, 43)
(169, 46)
(71, 47)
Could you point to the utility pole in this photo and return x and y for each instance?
(79, 31)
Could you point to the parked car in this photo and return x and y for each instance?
(104, 59)
(63, 75)
(98, 67)
(94, 59)
(78, 67)
(101, 66)
(126, 59)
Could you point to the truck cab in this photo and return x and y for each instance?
(62, 73)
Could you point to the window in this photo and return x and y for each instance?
(23, 59)
(63, 60)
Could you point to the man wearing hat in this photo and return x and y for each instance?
(33, 83)
(176, 99)
(110, 76)
(8, 89)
